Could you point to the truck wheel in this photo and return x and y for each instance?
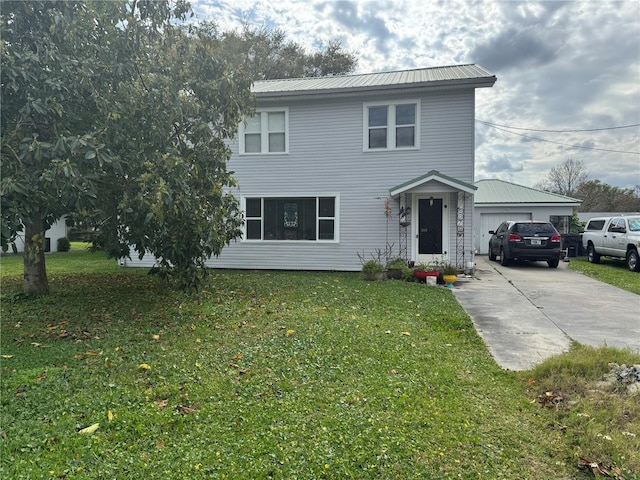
(504, 261)
(492, 256)
(553, 263)
(633, 262)
(592, 255)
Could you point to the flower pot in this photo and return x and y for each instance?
(450, 280)
(373, 276)
(394, 273)
(421, 275)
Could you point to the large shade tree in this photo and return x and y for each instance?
(111, 112)
(267, 54)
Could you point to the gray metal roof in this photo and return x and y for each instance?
(469, 75)
(499, 191)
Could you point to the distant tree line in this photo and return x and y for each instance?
(571, 178)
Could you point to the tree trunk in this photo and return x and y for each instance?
(35, 272)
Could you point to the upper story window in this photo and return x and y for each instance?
(265, 133)
(391, 125)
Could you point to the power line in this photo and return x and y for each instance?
(559, 143)
(559, 131)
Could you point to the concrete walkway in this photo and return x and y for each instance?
(528, 312)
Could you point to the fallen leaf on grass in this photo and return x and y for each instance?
(144, 366)
(89, 429)
(39, 345)
(90, 353)
(7, 356)
(599, 469)
(110, 415)
(162, 403)
(183, 409)
(551, 399)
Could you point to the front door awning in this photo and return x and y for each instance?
(433, 176)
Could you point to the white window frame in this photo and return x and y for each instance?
(391, 125)
(263, 113)
(336, 218)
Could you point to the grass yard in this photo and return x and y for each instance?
(283, 375)
(609, 270)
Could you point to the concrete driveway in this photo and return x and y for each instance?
(528, 312)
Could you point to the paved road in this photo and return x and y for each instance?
(528, 312)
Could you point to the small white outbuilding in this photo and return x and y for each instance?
(51, 236)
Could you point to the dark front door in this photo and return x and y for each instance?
(430, 226)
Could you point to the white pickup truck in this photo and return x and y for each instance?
(617, 237)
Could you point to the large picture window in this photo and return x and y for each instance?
(391, 126)
(264, 133)
(290, 218)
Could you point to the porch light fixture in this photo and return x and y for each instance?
(431, 201)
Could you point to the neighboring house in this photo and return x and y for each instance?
(335, 166)
(497, 201)
(51, 236)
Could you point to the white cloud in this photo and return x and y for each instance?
(560, 65)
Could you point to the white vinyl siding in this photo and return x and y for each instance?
(325, 158)
(389, 126)
(265, 133)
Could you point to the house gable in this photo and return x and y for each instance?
(432, 176)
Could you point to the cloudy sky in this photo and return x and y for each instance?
(561, 67)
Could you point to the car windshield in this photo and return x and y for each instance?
(634, 224)
(533, 228)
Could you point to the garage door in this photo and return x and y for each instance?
(491, 221)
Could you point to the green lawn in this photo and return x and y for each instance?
(609, 270)
(278, 375)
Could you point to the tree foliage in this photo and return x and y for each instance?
(601, 197)
(571, 178)
(267, 54)
(112, 114)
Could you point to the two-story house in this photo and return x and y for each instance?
(335, 166)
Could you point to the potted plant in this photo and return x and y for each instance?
(395, 268)
(423, 270)
(449, 274)
(373, 270)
